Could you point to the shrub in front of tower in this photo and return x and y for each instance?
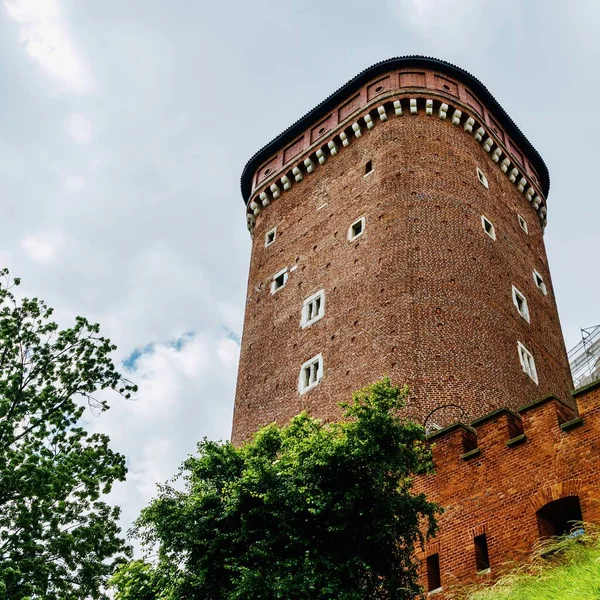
(310, 510)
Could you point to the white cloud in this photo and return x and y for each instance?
(80, 129)
(75, 183)
(47, 41)
(440, 19)
(184, 394)
(43, 247)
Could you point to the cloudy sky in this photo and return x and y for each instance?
(124, 127)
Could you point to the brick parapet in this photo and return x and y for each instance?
(499, 491)
(346, 123)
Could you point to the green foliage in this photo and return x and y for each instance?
(306, 511)
(565, 569)
(57, 538)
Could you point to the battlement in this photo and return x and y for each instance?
(500, 476)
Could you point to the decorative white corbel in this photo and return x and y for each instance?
(275, 191)
(309, 164)
(522, 183)
(344, 138)
(487, 145)
(297, 173)
(529, 193)
(442, 114)
(536, 202)
(287, 184)
(332, 148)
(512, 177)
(429, 107)
(543, 212)
(469, 124)
(413, 106)
(479, 134)
(253, 205)
(397, 108)
(504, 165)
(382, 113)
(496, 155)
(265, 199)
(356, 129)
(369, 121)
(321, 156)
(257, 210)
(456, 117)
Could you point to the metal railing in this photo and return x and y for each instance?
(584, 358)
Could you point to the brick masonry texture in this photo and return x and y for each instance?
(424, 295)
(499, 490)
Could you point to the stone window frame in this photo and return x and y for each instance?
(492, 229)
(369, 165)
(520, 302)
(527, 362)
(306, 320)
(310, 377)
(272, 240)
(363, 225)
(539, 283)
(523, 223)
(482, 179)
(275, 286)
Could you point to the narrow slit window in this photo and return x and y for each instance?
(279, 280)
(482, 558)
(313, 309)
(482, 178)
(488, 227)
(539, 282)
(523, 224)
(527, 362)
(356, 229)
(369, 167)
(270, 236)
(311, 374)
(520, 302)
(434, 578)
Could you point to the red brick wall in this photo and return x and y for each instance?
(499, 490)
(424, 295)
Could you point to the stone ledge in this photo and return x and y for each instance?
(516, 440)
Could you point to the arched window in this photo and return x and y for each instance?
(560, 517)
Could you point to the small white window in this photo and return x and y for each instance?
(527, 362)
(482, 178)
(523, 224)
(488, 227)
(521, 303)
(310, 374)
(356, 229)
(313, 309)
(270, 236)
(279, 280)
(539, 282)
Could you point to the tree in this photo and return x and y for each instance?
(308, 511)
(57, 538)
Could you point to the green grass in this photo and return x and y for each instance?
(563, 569)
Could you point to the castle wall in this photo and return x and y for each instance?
(424, 295)
(499, 486)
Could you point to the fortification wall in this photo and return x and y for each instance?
(493, 475)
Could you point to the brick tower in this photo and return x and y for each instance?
(398, 229)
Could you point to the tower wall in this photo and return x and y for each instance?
(424, 294)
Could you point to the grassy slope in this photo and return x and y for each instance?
(573, 573)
